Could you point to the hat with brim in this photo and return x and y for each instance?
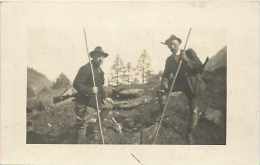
(98, 51)
(170, 39)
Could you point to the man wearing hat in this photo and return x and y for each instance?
(83, 83)
(191, 66)
(171, 65)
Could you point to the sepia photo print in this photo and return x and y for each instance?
(113, 74)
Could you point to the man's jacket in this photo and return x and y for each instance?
(83, 83)
(191, 65)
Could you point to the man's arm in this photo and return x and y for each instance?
(165, 75)
(80, 81)
(166, 71)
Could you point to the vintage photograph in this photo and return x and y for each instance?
(124, 73)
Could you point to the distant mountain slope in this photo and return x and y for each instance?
(62, 82)
(36, 81)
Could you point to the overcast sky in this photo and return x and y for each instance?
(55, 40)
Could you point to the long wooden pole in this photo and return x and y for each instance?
(94, 83)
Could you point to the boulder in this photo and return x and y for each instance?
(175, 124)
(129, 93)
(136, 118)
(132, 103)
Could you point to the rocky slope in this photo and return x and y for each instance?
(133, 120)
(36, 81)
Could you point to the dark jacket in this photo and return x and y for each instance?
(170, 70)
(191, 66)
(83, 83)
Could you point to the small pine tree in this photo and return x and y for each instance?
(143, 67)
(129, 73)
(117, 72)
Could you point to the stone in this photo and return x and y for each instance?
(132, 103)
(175, 124)
(129, 93)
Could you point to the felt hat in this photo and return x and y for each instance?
(98, 51)
(170, 39)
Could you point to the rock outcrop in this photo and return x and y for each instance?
(212, 102)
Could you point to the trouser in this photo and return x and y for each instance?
(85, 116)
(86, 119)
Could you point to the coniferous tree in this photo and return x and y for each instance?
(118, 68)
(144, 66)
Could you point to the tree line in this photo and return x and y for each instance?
(127, 73)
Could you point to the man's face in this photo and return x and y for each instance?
(98, 60)
(174, 46)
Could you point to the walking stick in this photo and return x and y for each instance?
(171, 88)
(94, 83)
